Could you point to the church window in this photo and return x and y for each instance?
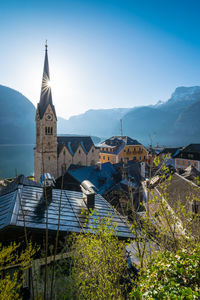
(64, 152)
(79, 151)
(48, 130)
(92, 150)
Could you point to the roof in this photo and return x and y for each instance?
(12, 186)
(45, 96)
(117, 144)
(190, 149)
(172, 151)
(117, 140)
(180, 190)
(104, 177)
(72, 143)
(27, 203)
(191, 173)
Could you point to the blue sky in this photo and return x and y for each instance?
(102, 54)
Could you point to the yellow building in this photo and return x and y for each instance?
(121, 149)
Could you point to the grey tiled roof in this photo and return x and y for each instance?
(190, 149)
(29, 201)
(72, 143)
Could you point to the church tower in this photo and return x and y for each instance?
(45, 152)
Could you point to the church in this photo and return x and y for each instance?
(54, 154)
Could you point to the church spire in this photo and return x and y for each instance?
(45, 96)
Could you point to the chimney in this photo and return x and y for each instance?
(88, 190)
(98, 166)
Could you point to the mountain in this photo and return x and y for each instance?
(17, 115)
(100, 122)
(173, 122)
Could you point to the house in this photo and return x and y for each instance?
(121, 149)
(53, 154)
(177, 198)
(104, 177)
(168, 154)
(23, 203)
(190, 155)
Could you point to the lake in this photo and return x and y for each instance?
(16, 159)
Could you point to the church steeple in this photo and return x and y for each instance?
(45, 96)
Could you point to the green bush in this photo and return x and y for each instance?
(171, 276)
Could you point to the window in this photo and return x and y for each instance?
(92, 150)
(108, 158)
(103, 157)
(189, 163)
(140, 158)
(144, 157)
(79, 151)
(48, 130)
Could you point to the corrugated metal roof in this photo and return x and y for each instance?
(28, 203)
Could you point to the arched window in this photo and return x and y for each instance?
(48, 130)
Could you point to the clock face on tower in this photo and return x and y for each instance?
(48, 117)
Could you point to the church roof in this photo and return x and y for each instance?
(45, 96)
(72, 143)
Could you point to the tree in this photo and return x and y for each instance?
(13, 263)
(171, 276)
(99, 264)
